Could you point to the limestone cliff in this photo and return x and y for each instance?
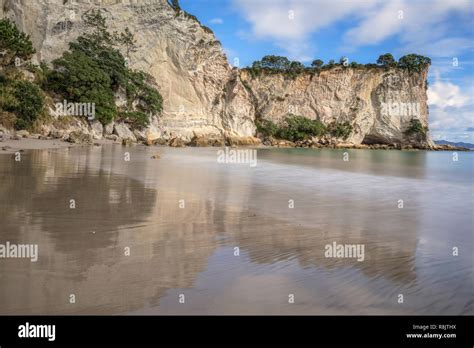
(203, 94)
(378, 103)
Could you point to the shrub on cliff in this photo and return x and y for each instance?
(340, 130)
(141, 97)
(136, 119)
(301, 128)
(416, 129)
(282, 65)
(18, 97)
(105, 57)
(267, 128)
(414, 62)
(295, 68)
(330, 64)
(80, 78)
(276, 65)
(96, 26)
(297, 128)
(13, 44)
(94, 71)
(22, 98)
(127, 40)
(139, 90)
(317, 63)
(386, 60)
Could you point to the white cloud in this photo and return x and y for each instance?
(447, 94)
(293, 19)
(449, 120)
(216, 21)
(451, 107)
(290, 22)
(379, 23)
(447, 47)
(421, 26)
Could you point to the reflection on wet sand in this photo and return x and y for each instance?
(189, 250)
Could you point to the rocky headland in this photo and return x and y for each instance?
(208, 102)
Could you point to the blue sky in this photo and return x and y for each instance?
(360, 30)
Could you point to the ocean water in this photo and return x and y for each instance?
(186, 234)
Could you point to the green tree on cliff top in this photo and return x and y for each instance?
(386, 60)
(414, 62)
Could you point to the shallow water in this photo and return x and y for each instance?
(134, 206)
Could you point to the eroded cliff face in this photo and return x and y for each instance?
(378, 103)
(203, 94)
(185, 59)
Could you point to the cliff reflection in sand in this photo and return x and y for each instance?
(191, 250)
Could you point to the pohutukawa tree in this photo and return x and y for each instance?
(94, 70)
(21, 99)
(317, 63)
(13, 44)
(414, 62)
(386, 60)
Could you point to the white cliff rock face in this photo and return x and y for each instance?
(186, 60)
(202, 93)
(97, 130)
(123, 132)
(378, 103)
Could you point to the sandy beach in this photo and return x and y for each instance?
(9, 146)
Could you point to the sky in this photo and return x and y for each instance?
(361, 30)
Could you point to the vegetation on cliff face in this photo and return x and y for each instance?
(92, 71)
(298, 128)
(95, 70)
(21, 102)
(416, 130)
(14, 44)
(340, 130)
(281, 65)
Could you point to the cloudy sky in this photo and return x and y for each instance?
(360, 30)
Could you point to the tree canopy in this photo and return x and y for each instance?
(275, 62)
(94, 69)
(13, 43)
(414, 62)
(23, 100)
(280, 64)
(317, 63)
(386, 60)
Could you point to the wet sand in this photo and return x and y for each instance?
(12, 146)
(189, 249)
